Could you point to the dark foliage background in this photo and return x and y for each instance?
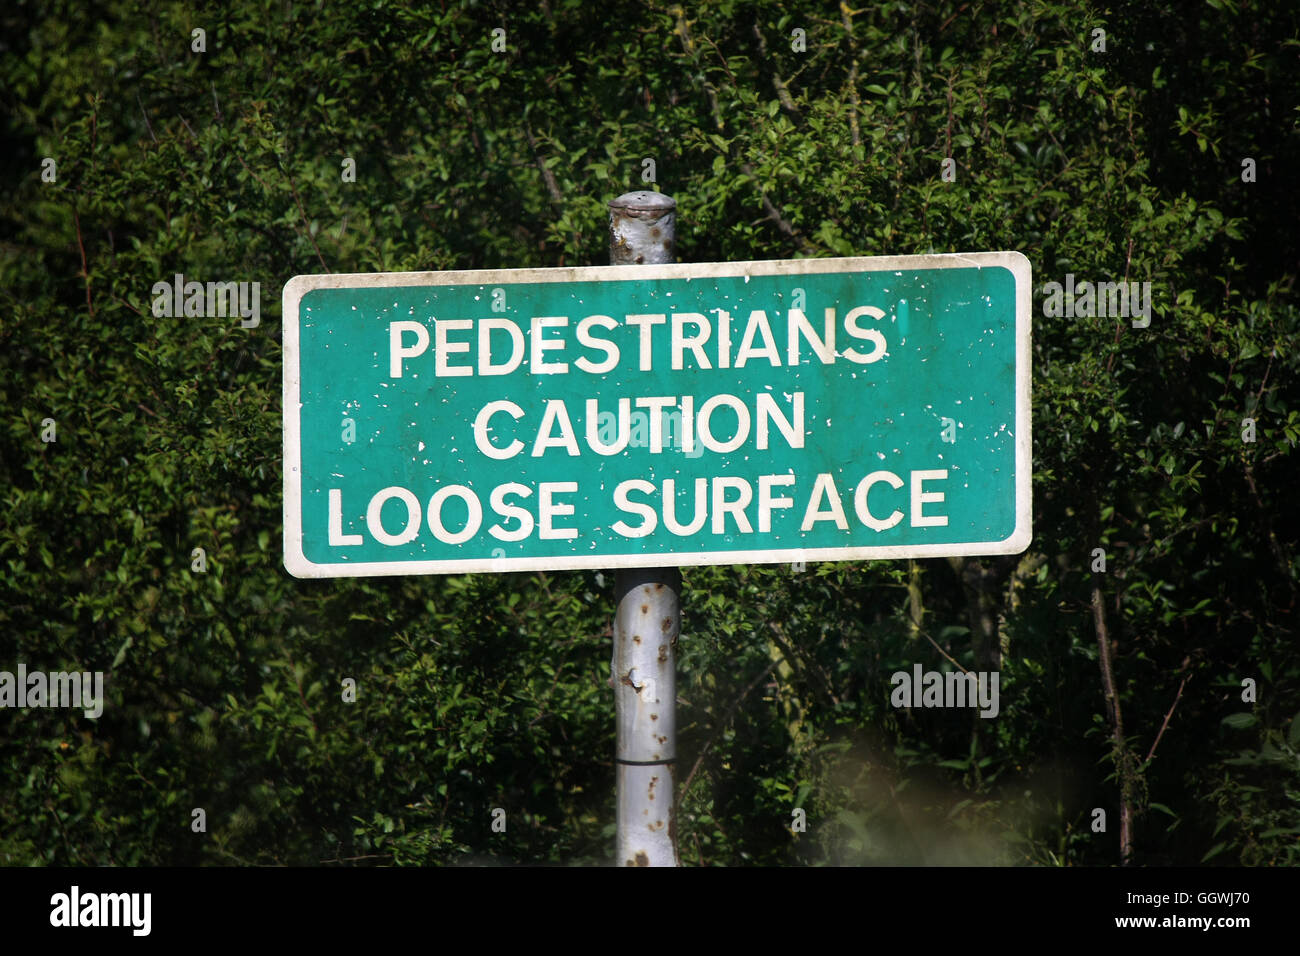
(223, 688)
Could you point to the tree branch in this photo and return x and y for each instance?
(720, 726)
(1116, 718)
(1177, 697)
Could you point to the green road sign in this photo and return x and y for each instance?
(711, 413)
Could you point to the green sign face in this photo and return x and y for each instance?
(636, 416)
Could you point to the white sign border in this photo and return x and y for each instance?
(297, 563)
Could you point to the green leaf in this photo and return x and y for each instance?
(1240, 721)
(121, 652)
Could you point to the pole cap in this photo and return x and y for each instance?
(643, 203)
(642, 228)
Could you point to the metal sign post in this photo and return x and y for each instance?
(649, 616)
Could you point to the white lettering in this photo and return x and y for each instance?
(542, 345)
(481, 430)
(547, 509)
(871, 335)
(485, 329)
(649, 519)
(586, 339)
(920, 497)
(396, 352)
(645, 323)
(508, 511)
(375, 523)
(742, 423)
(860, 501)
(337, 538)
(443, 347)
(472, 521)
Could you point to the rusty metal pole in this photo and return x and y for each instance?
(648, 619)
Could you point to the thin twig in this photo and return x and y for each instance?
(790, 656)
(943, 26)
(85, 270)
(846, 17)
(305, 221)
(145, 114)
(1120, 752)
(721, 725)
(782, 223)
(1177, 697)
(121, 301)
(947, 142)
(259, 180)
(709, 40)
(782, 91)
(62, 832)
(926, 634)
(548, 177)
(1119, 324)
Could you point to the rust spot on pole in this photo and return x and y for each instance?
(667, 625)
(636, 638)
(642, 859)
(645, 608)
(663, 653)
